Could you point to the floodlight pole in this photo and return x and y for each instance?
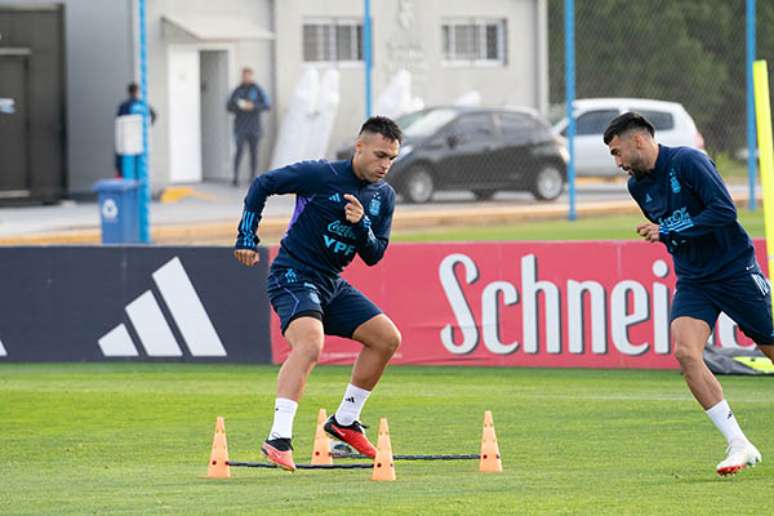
(569, 78)
(367, 58)
(144, 193)
(751, 140)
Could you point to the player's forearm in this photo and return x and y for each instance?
(255, 201)
(713, 217)
(370, 248)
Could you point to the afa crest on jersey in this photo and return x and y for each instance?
(673, 181)
(374, 206)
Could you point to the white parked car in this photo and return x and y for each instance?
(674, 126)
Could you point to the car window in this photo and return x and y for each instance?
(594, 122)
(519, 128)
(405, 121)
(429, 123)
(473, 127)
(661, 120)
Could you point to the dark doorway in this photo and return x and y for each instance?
(14, 124)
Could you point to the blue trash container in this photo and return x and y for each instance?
(118, 210)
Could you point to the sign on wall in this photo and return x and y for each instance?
(132, 303)
(568, 304)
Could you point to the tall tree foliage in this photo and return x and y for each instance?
(688, 51)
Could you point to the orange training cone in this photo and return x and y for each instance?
(321, 454)
(490, 452)
(384, 466)
(218, 466)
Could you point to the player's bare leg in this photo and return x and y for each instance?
(306, 338)
(380, 339)
(690, 336)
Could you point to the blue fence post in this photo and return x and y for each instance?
(751, 138)
(143, 175)
(569, 79)
(367, 45)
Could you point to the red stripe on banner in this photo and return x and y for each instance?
(532, 304)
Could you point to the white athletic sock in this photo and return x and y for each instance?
(351, 405)
(284, 412)
(725, 420)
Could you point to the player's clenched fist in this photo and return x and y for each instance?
(648, 231)
(353, 210)
(247, 257)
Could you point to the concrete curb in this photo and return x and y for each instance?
(274, 227)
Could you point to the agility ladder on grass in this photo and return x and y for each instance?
(383, 465)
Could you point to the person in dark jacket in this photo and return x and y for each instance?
(247, 102)
(690, 211)
(343, 209)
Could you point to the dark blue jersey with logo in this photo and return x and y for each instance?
(687, 198)
(320, 239)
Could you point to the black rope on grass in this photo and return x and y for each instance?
(300, 466)
(471, 456)
(455, 456)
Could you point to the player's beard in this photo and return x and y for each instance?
(638, 169)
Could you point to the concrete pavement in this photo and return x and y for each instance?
(211, 214)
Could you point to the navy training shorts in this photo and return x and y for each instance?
(745, 299)
(339, 305)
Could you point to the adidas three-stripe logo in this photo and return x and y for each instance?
(152, 328)
(335, 197)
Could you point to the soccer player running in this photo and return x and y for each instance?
(691, 212)
(343, 208)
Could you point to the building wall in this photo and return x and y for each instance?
(407, 34)
(98, 62)
(257, 54)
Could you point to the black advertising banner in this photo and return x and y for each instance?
(86, 304)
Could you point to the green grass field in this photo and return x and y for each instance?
(135, 438)
(620, 227)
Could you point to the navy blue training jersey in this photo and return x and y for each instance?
(320, 238)
(687, 198)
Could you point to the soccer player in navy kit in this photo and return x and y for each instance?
(690, 211)
(343, 209)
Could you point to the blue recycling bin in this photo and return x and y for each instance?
(118, 210)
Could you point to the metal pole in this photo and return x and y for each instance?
(569, 78)
(143, 175)
(367, 45)
(751, 141)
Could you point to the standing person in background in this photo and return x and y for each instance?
(131, 106)
(247, 102)
(690, 211)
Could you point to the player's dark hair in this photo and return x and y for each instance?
(625, 123)
(132, 88)
(384, 126)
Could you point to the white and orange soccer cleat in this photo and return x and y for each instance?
(739, 455)
(280, 452)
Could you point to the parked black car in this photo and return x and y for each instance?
(485, 150)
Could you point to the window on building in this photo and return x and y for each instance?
(474, 42)
(332, 41)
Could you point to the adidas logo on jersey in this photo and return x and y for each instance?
(335, 197)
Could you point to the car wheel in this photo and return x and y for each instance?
(548, 183)
(484, 195)
(418, 185)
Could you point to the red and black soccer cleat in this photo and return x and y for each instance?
(280, 452)
(353, 435)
